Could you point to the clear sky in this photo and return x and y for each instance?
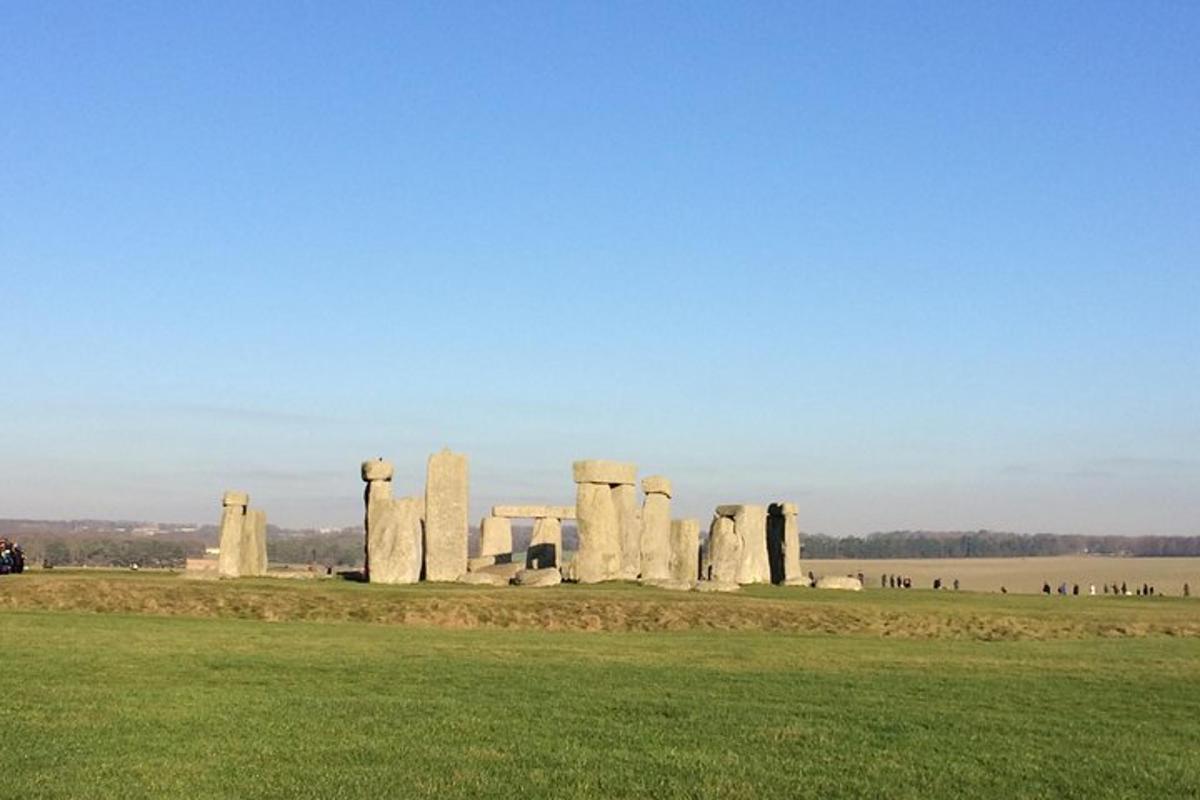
(911, 265)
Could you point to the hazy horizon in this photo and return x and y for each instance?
(912, 268)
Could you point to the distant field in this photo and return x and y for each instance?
(1024, 575)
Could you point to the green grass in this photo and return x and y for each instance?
(150, 705)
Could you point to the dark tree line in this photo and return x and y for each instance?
(993, 544)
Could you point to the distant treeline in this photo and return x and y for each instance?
(344, 548)
(992, 544)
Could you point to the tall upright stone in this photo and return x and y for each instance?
(783, 545)
(598, 557)
(394, 540)
(750, 522)
(656, 529)
(233, 519)
(545, 547)
(684, 564)
(253, 556)
(629, 526)
(496, 539)
(377, 474)
(607, 518)
(446, 523)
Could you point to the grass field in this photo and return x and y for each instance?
(187, 689)
(1024, 575)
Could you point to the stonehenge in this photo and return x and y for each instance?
(425, 537)
(446, 522)
(656, 529)
(242, 538)
(839, 582)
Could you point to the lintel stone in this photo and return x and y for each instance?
(613, 473)
(377, 470)
(534, 512)
(233, 498)
(656, 484)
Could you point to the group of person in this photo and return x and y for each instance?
(887, 581)
(1145, 590)
(12, 560)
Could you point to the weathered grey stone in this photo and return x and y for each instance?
(609, 472)
(377, 470)
(394, 541)
(750, 522)
(629, 521)
(233, 516)
(783, 545)
(724, 552)
(684, 564)
(446, 523)
(549, 576)
(253, 556)
(534, 512)
(495, 537)
(545, 547)
(598, 558)
(485, 578)
(656, 484)
(656, 537)
(839, 582)
(479, 562)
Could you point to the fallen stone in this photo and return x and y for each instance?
(534, 512)
(483, 579)
(839, 582)
(446, 523)
(538, 577)
(607, 472)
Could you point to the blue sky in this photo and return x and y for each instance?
(912, 265)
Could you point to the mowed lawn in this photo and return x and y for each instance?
(122, 705)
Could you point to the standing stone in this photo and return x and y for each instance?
(253, 556)
(545, 546)
(783, 545)
(629, 523)
(656, 529)
(233, 518)
(495, 539)
(684, 563)
(377, 474)
(598, 558)
(724, 552)
(446, 523)
(394, 540)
